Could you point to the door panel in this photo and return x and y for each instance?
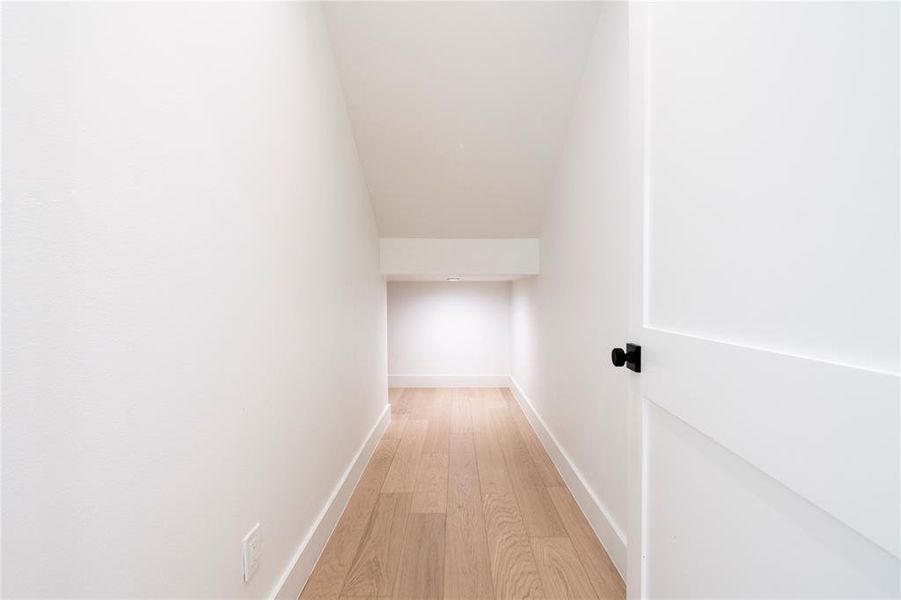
(766, 417)
(828, 432)
(773, 149)
(720, 528)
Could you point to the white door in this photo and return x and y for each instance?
(766, 198)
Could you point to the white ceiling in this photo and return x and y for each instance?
(459, 108)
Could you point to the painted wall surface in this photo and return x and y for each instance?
(424, 258)
(449, 328)
(192, 304)
(566, 320)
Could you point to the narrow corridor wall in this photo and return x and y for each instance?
(449, 333)
(566, 320)
(194, 333)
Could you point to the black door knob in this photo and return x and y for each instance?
(630, 357)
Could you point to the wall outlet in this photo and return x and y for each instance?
(252, 547)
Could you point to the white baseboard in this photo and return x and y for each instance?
(298, 571)
(607, 530)
(427, 381)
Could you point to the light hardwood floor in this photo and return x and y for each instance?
(460, 501)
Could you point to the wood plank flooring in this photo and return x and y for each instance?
(460, 501)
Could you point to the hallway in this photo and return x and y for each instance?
(460, 500)
(344, 300)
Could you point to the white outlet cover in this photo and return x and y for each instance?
(252, 547)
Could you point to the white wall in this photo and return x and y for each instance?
(192, 306)
(435, 259)
(459, 330)
(567, 319)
